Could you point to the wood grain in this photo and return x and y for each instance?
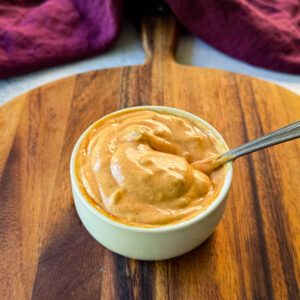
(46, 253)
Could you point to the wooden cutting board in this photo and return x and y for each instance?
(46, 253)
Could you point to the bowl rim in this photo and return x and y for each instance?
(165, 228)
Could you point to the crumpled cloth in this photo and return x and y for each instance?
(36, 34)
(39, 34)
(264, 33)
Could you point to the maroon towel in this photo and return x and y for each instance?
(265, 33)
(38, 34)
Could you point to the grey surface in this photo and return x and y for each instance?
(128, 51)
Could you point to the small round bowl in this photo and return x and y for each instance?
(152, 243)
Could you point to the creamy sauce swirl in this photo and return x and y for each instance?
(136, 168)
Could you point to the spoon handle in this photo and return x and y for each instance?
(281, 135)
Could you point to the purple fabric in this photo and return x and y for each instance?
(265, 33)
(37, 34)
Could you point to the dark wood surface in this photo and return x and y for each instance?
(46, 253)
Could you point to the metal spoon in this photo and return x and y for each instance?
(278, 136)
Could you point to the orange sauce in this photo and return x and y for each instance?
(136, 168)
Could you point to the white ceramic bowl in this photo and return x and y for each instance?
(151, 243)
